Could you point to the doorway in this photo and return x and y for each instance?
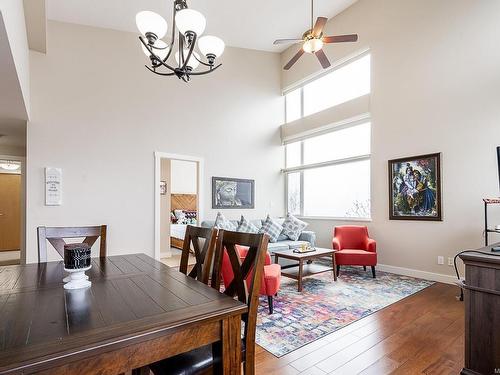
(11, 211)
(178, 194)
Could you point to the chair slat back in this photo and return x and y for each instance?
(252, 267)
(202, 241)
(56, 235)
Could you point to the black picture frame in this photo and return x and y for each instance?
(428, 165)
(240, 193)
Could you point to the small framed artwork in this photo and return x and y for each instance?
(415, 188)
(233, 193)
(163, 187)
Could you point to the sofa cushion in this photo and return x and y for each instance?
(246, 227)
(354, 257)
(272, 228)
(277, 247)
(294, 244)
(222, 223)
(293, 227)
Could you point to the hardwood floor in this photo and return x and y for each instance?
(422, 334)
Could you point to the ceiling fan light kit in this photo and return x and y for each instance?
(313, 41)
(190, 25)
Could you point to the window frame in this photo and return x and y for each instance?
(300, 86)
(303, 167)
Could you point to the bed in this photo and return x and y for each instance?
(183, 213)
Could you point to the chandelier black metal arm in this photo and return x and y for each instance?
(187, 43)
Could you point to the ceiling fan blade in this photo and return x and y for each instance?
(340, 38)
(325, 63)
(318, 26)
(294, 59)
(287, 41)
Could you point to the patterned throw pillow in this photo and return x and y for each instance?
(246, 227)
(222, 223)
(272, 228)
(293, 227)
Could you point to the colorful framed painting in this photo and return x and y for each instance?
(415, 188)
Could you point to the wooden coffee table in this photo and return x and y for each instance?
(301, 270)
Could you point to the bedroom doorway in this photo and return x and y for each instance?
(177, 202)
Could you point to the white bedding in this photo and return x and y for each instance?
(178, 230)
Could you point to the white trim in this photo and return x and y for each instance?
(339, 125)
(447, 279)
(329, 163)
(335, 65)
(163, 155)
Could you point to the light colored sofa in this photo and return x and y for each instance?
(283, 243)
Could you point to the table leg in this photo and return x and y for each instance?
(300, 275)
(334, 263)
(275, 258)
(231, 345)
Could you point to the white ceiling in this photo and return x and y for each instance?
(253, 24)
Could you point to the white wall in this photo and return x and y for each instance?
(98, 114)
(435, 88)
(183, 177)
(12, 14)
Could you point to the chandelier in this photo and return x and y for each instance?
(190, 25)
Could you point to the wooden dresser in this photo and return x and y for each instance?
(482, 312)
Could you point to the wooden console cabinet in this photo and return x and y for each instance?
(482, 312)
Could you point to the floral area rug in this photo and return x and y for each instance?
(325, 306)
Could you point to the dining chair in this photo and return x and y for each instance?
(56, 235)
(201, 361)
(202, 242)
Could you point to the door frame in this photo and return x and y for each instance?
(199, 196)
(22, 160)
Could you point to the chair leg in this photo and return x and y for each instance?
(364, 268)
(338, 270)
(373, 271)
(270, 302)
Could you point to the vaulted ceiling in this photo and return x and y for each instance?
(253, 24)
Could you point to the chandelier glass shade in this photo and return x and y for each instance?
(188, 26)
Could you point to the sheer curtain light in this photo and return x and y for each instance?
(187, 27)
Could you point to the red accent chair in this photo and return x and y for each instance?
(354, 247)
(271, 281)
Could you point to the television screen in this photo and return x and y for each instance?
(498, 159)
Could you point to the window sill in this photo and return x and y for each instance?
(328, 218)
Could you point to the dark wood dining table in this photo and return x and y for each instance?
(136, 312)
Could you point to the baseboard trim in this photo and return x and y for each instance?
(447, 279)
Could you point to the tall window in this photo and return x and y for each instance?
(348, 82)
(329, 175)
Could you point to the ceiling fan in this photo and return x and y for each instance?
(313, 40)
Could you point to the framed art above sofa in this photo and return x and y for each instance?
(233, 193)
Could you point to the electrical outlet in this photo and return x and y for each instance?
(450, 261)
(440, 259)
